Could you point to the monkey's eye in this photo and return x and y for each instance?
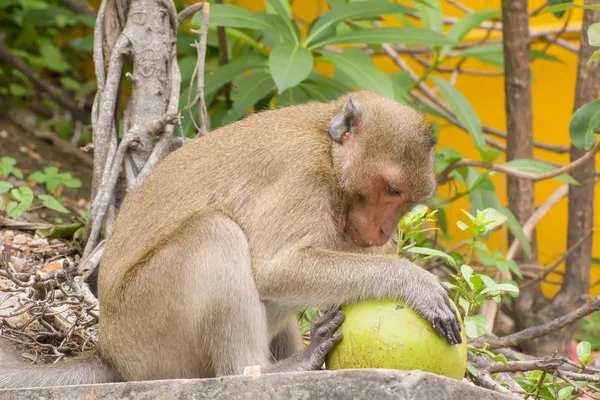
(392, 191)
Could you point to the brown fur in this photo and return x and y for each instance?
(214, 253)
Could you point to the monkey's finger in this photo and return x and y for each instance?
(330, 327)
(326, 317)
(456, 327)
(336, 337)
(438, 329)
(450, 335)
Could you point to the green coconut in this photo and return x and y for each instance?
(389, 334)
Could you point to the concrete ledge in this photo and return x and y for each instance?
(371, 384)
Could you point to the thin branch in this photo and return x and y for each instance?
(557, 263)
(445, 110)
(536, 217)
(63, 98)
(535, 332)
(443, 176)
(189, 11)
(224, 60)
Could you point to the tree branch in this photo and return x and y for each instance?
(535, 332)
(63, 98)
(443, 177)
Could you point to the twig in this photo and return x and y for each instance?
(56, 93)
(201, 48)
(224, 60)
(557, 263)
(445, 110)
(189, 11)
(443, 176)
(22, 225)
(535, 332)
(536, 217)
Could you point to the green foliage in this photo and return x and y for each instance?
(470, 289)
(21, 199)
(54, 179)
(7, 167)
(585, 124)
(589, 330)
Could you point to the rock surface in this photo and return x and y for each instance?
(371, 384)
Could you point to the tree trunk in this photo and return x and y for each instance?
(576, 283)
(532, 308)
(519, 125)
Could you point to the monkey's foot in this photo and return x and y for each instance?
(323, 336)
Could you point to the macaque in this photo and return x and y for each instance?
(213, 255)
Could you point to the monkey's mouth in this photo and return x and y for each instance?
(356, 236)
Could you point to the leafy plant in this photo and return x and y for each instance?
(7, 167)
(54, 179)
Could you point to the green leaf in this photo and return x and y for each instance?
(432, 252)
(17, 173)
(490, 53)
(422, 36)
(569, 6)
(37, 176)
(558, 14)
(475, 325)
(5, 187)
(565, 392)
(431, 15)
(359, 67)
(17, 90)
(539, 167)
(281, 7)
(372, 9)
(584, 349)
(251, 89)
(6, 165)
(51, 203)
(13, 210)
(284, 28)
(24, 195)
(414, 215)
(52, 57)
(72, 183)
(289, 65)
(292, 96)
(462, 109)
(515, 228)
(51, 171)
(229, 15)
(583, 124)
(468, 22)
(60, 231)
(461, 225)
(467, 273)
(501, 287)
(53, 182)
(594, 34)
(226, 73)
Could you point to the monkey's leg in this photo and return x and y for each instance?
(287, 342)
(197, 300)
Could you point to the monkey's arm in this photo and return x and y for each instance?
(312, 276)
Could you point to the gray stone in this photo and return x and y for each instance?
(370, 384)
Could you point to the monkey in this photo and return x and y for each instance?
(212, 256)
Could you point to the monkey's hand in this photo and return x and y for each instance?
(323, 336)
(433, 303)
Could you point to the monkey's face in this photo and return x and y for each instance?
(382, 194)
(386, 159)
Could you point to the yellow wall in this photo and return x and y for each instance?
(553, 94)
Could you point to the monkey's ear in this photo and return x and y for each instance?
(346, 122)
